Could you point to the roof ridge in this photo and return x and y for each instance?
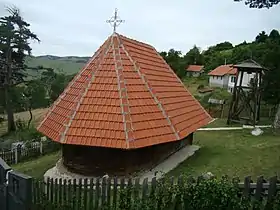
(77, 76)
(106, 50)
(142, 76)
(134, 40)
(124, 102)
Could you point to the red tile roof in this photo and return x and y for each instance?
(223, 70)
(125, 97)
(195, 68)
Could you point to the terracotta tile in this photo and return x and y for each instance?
(222, 70)
(98, 120)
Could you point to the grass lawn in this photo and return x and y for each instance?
(233, 153)
(36, 168)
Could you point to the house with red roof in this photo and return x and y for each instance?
(224, 76)
(194, 70)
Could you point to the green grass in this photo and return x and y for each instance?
(192, 83)
(233, 153)
(37, 167)
(66, 65)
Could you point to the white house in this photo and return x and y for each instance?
(224, 76)
(195, 70)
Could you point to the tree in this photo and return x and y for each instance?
(260, 3)
(274, 35)
(14, 47)
(262, 37)
(54, 83)
(34, 96)
(175, 61)
(194, 56)
(271, 84)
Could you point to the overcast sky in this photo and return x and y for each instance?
(70, 27)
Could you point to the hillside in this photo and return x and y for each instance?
(67, 65)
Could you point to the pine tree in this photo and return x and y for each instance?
(14, 47)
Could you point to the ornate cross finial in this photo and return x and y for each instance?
(115, 21)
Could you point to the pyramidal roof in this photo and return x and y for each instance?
(126, 97)
(249, 64)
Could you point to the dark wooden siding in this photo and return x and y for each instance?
(97, 161)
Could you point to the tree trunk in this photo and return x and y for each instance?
(31, 116)
(7, 85)
(9, 110)
(276, 123)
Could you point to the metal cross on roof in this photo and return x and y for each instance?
(115, 20)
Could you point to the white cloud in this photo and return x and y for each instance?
(79, 27)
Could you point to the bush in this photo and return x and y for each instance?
(20, 124)
(205, 194)
(200, 87)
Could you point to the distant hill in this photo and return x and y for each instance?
(67, 65)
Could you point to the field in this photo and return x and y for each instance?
(38, 114)
(67, 65)
(235, 153)
(193, 83)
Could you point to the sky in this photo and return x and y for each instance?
(78, 28)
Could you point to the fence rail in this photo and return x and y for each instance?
(21, 154)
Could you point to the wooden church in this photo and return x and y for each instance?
(126, 110)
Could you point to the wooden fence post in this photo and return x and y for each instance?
(16, 154)
(41, 147)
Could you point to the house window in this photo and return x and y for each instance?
(232, 79)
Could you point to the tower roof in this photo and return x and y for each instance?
(249, 64)
(126, 97)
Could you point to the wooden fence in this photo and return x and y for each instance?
(106, 193)
(219, 111)
(21, 154)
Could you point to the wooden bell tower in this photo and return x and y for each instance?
(246, 99)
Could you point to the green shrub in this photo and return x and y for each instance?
(200, 87)
(206, 194)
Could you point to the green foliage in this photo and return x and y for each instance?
(265, 49)
(14, 45)
(262, 37)
(200, 87)
(271, 85)
(23, 133)
(15, 37)
(175, 61)
(61, 65)
(35, 94)
(20, 124)
(57, 86)
(220, 94)
(205, 194)
(260, 3)
(194, 56)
